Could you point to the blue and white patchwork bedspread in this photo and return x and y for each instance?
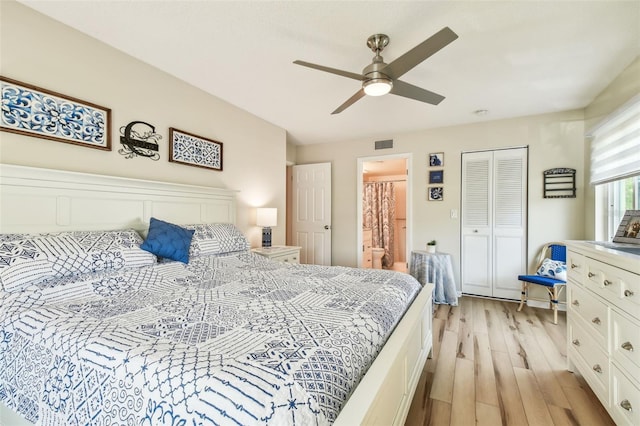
(228, 340)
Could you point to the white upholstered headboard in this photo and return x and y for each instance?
(45, 200)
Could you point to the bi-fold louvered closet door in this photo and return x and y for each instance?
(494, 218)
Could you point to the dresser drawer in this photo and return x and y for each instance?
(625, 399)
(576, 266)
(614, 284)
(288, 258)
(593, 356)
(625, 342)
(595, 314)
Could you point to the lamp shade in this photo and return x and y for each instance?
(267, 216)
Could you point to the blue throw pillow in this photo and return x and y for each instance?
(168, 240)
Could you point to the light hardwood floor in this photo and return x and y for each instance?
(492, 365)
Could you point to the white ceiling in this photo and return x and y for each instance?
(513, 58)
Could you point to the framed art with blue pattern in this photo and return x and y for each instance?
(187, 148)
(33, 111)
(436, 193)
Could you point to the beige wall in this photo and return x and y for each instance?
(554, 140)
(624, 87)
(40, 51)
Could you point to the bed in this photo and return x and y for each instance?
(227, 338)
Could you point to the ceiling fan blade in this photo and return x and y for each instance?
(410, 91)
(352, 100)
(419, 53)
(348, 74)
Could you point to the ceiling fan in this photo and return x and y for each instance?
(380, 78)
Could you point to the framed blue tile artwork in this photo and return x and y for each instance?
(194, 150)
(33, 111)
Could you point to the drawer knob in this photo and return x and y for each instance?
(575, 303)
(626, 405)
(597, 368)
(627, 346)
(628, 293)
(596, 321)
(607, 282)
(576, 342)
(591, 274)
(574, 266)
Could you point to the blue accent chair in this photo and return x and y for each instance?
(554, 251)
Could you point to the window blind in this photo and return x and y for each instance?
(615, 144)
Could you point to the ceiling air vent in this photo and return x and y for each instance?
(384, 144)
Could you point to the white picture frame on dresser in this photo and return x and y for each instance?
(629, 228)
(603, 325)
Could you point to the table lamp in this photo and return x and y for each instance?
(266, 217)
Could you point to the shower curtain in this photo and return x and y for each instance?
(379, 211)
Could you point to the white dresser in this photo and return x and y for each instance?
(289, 254)
(603, 320)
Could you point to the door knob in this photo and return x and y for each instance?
(327, 227)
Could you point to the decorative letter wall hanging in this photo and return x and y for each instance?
(139, 142)
(32, 111)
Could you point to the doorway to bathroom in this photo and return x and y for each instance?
(384, 221)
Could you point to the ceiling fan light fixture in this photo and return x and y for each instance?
(377, 86)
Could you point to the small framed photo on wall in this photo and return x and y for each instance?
(436, 193)
(436, 159)
(436, 176)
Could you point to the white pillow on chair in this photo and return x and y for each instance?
(553, 269)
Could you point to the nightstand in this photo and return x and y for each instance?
(289, 254)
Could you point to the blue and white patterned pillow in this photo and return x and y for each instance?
(49, 256)
(216, 238)
(553, 269)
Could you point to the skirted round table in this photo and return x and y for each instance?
(435, 268)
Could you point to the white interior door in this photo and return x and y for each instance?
(311, 212)
(477, 183)
(494, 218)
(509, 221)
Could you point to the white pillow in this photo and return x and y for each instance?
(49, 256)
(216, 238)
(553, 269)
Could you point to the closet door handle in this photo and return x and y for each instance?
(575, 303)
(576, 342)
(628, 293)
(627, 346)
(596, 321)
(597, 368)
